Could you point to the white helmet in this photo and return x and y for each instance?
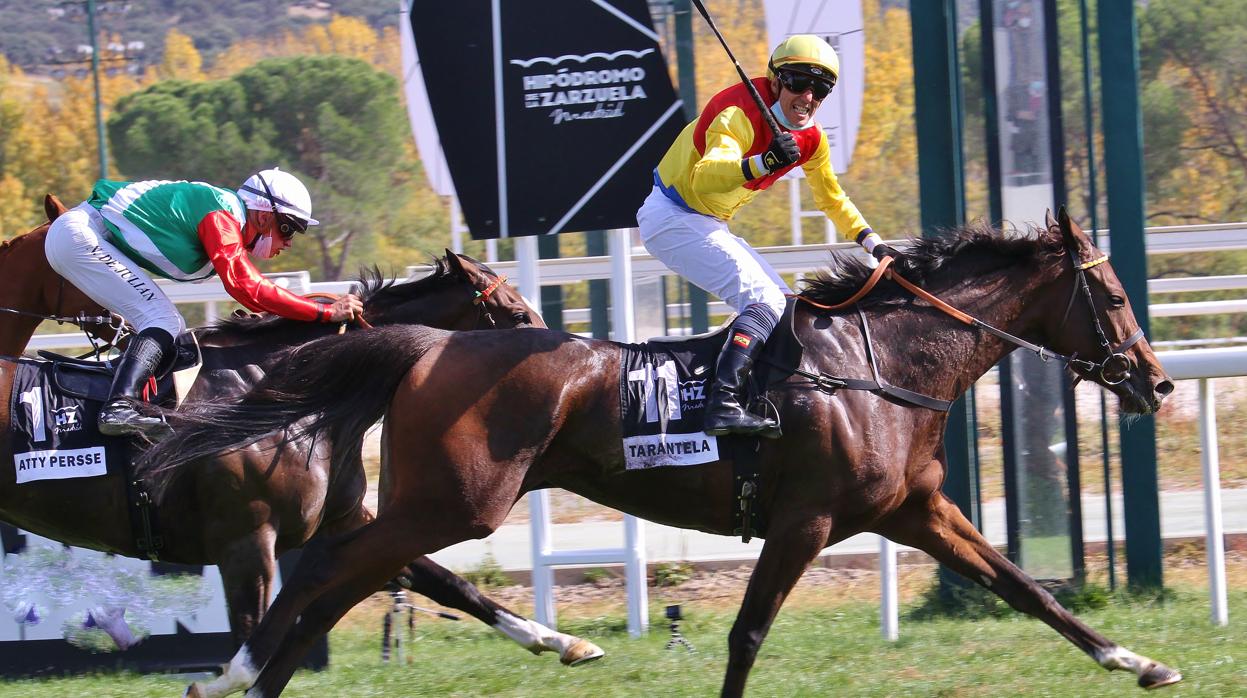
(274, 190)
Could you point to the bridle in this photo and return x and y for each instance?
(482, 295)
(1113, 369)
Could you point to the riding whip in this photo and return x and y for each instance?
(753, 91)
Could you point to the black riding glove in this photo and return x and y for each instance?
(781, 153)
(899, 263)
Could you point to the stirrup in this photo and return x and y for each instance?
(119, 418)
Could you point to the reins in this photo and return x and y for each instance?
(323, 295)
(1114, 369)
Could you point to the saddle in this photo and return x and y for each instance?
(91, 380)
(662, 421)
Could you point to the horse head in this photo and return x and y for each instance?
(1095, 324)
(460, 294)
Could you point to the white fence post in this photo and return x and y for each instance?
(1214, 541)
(889, 613)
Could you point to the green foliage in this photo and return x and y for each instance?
(597, 575)
(672, 574)
(488, 573)
(829, 651)
(335, 122)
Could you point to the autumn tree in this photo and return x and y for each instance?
(181, 60)
(335, 122)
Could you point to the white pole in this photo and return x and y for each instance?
(794, 208)
(889, 618)
(623, 326)
(456, 226)
(1214, 541)
(543, 574)
(538, 502)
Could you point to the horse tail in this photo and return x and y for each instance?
(339, 385)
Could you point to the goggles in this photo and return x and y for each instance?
(288, 225)
(798, 83)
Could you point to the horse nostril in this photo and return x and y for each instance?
(1163, 388)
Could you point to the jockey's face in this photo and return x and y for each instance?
(264, 223)
(798, 107)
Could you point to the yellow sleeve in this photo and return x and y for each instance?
(828, 195)
(728, 137)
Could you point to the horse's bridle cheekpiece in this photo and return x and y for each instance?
(1115, 368)
(482, 295)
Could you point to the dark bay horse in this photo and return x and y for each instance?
(242, 510)
(32, 290)
(478, 419)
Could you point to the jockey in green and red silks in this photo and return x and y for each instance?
(111, 246)
(719, 163)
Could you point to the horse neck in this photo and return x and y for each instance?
(26, 271)
(943, 355)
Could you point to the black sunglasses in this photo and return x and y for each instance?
(798, 83)
(288, 225)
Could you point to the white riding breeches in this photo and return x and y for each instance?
(702, 249)
(78, 249)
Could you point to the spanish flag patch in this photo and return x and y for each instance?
(742, 340)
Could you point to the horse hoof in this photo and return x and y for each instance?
(582, 652)
(192, 691)
(1159, 675)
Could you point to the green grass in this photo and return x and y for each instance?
(811, 651)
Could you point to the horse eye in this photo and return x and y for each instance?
(1116, 301)
(520, 318)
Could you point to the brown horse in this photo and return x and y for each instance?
(478, 419)
(242, 510)
(34, 292)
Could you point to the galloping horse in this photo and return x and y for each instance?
(33, 291)
(241, 511)
(478, 419)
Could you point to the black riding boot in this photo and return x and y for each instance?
(725, 413)
(118, 416)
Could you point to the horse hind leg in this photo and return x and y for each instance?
(937, 527)
(248, 568)
(439, 584)
(789, 549)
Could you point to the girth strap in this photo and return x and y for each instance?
(143, 520)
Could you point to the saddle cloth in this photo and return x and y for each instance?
(54, 406)
(52, 432)
(664, 385)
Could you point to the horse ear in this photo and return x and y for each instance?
(1050, 222)
(53, 207)
(455, 263)
(1074, 236)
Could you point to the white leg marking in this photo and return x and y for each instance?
(528, 633)
(1121, 658)
(537, 638)
(239, 675)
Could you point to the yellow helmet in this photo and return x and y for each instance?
(805, 53)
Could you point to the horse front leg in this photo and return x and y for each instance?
(338, 574)
(448, 589)
(788, 550)
(248, 568)
(936, 526)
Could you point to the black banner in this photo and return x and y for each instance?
(586, 111)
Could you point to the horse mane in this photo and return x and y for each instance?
(926, 258)
(372, 287)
